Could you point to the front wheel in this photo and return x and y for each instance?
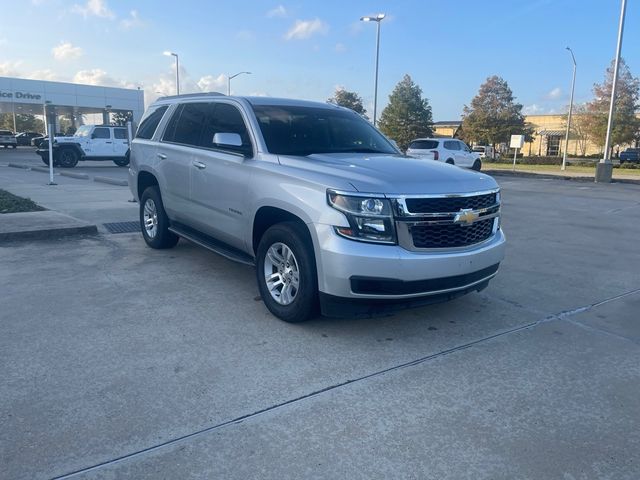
(477, 165)
(450, 161)
(67, 158)
(154, 220)
(286, 272)
(121, 162)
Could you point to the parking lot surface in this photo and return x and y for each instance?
(124, 362)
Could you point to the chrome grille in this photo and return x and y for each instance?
(450, 204)
(442, 222)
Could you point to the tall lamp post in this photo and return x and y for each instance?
(230, 77)
(573, 86)
(604, 168)
(171, 54)
(378, 18)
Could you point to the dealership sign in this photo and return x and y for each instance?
(20, 95)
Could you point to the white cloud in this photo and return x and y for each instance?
(10, 69)
(101, 78)
(554, 94)
(340, 48)
(3, 41)
(95, 8)
(132, 21)
(303, 29)
(45, 74)
(66, 51)
(209, 83)
(279, 11)
(533, 109)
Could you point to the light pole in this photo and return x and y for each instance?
(604, 168)
(378, 18)
(566, 138)
(169, 54)
(229, 77)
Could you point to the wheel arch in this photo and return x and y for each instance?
(267, 216)
(144, 181)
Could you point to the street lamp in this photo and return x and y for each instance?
(573, 86)
(229, 77)
(604, 168)
(169, 54)
(378, 18)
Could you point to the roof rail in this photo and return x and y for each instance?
(189, 95)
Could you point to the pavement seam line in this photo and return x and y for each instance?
(564, 315)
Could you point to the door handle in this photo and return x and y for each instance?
(199, 165)
(162, 156)
(108, 142)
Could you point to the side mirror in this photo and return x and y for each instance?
(227, 139)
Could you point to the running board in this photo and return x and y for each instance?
(212, 244)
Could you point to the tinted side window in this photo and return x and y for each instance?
(424, 144)
(150, 122)
(101, 133)
(120, 133)
(463, 147)
(187, 123)
(226, 119)
(451, 145)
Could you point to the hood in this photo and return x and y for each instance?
(391, 174)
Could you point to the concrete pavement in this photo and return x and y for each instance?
(124, 362)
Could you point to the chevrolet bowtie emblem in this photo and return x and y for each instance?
(465, 217)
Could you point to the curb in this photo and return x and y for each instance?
(19, 165)
(507, 173)
(111, 181)
(81, 176)
(49, 233)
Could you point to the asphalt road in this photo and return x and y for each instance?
(119, 361)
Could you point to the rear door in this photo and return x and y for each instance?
(120, 142)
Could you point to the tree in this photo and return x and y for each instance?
(578, 132)
(121, 118)
(348, 99)
(24, 122)
(407, 115)
(625, 123)
(493, 115)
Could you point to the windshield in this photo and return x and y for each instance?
(298, 130)
(83, 131)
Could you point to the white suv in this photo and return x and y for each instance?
(448, 150)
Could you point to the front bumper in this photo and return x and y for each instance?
(361, 271)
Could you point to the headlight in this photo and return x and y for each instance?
(370, 218)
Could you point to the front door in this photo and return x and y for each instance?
(101, 144)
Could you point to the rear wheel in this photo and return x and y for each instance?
(286, 272)
(121, 162)
(154, 220)
(450, 161)
(67, 158)
(477, 165)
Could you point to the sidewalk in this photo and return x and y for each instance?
(553, 171)
(86, 201)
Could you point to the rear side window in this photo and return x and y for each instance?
(424, 144)
(452, 145)
(120, 133)
(101, 133)
(186, 124)
(150, 122)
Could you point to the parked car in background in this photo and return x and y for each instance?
(485, 152)
(25, 138)
(447, 150)
(630, 155)
(7, 139)
(37, 141)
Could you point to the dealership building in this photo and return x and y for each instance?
(71, 100)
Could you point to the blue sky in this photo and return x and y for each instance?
(305, 49)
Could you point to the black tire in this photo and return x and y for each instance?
(162, 238)
(45, 160)
(477, 165)
(67, 158)
(13, 146)
(121, 162)
(450, 161)
(304, 303)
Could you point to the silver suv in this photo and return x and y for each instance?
(324, 206)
